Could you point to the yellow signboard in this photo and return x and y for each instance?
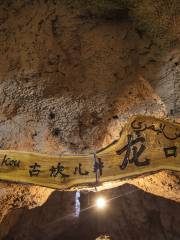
(146, 145)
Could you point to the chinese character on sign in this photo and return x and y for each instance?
(58, 170)
(131, 149)
(79, 170)
(98, 166)
(170, 151)
(34, 170)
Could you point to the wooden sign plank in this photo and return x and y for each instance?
(146, 145)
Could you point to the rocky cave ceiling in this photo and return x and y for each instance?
(73, 72)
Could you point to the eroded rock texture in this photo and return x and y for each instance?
(131, 213)
(67, 78)
(73, 72)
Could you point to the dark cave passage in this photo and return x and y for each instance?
(135, 214)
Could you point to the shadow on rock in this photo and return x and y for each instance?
(130, 214)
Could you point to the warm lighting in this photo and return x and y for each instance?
(101, 202)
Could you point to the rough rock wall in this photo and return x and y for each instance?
(130, 214)
(57, 214)
(68, 80)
